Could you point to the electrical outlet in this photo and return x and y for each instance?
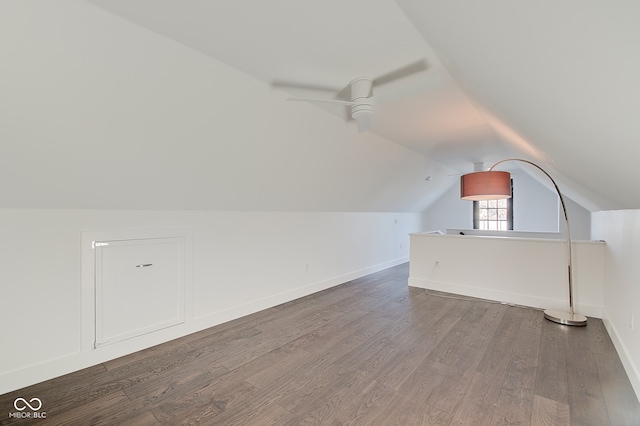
(400, 246)
(306, 267)
(631, 321)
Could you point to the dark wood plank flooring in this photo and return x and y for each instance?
(371, 351)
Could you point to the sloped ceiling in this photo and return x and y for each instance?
(562, 75)
(99, 113)
(182, 104)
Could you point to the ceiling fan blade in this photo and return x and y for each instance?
(415, 87)
(403, 72)
(304, 86)
(312, 100)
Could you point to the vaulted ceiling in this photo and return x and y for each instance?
(183, 104)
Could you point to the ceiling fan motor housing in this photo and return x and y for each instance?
(361, 96)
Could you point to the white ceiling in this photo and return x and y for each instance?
(555, 82)
(552, 82)
(562, 76)
(316, 48)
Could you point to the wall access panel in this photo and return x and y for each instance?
(133, 284)
(139, 287)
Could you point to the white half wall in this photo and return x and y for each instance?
(524, 271)
(621, 314)
(242, 262)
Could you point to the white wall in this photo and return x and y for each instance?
(243, 262)
(449, 211)
(621, 231)
(536, 208)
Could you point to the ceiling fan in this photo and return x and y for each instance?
(361, 90)
(361, 102)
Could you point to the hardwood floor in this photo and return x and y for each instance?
(371, 351)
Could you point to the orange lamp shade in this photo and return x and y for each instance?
(485, 186)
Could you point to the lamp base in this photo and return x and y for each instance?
(565, 318)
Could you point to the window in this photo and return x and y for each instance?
(493, 215)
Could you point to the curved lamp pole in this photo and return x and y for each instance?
(491, 185)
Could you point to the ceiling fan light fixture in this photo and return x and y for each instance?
(363, 120)
(362, 108)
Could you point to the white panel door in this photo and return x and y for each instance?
(139, 287)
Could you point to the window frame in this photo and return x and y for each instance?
(476, 213)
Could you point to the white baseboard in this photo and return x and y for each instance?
(593, 311)
(627, 361)
(506, 297)
(36, 373)
(239, 311)
(30, 375)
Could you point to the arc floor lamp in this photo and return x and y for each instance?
(494, 185)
